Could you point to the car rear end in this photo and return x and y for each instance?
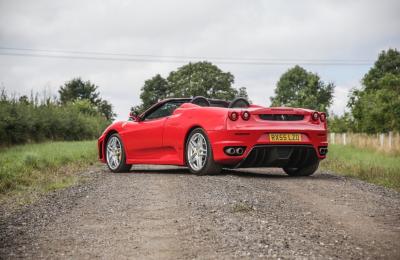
(271, 137)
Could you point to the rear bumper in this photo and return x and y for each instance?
(261, 152)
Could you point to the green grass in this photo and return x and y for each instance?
(367, 165)
(43, 167)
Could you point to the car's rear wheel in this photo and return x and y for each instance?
(115, 154)
(303, 171)
(199, 155)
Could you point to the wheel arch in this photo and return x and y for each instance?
(110, 133)
(185, 140)
(106, 137)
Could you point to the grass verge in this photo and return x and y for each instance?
(43, 167)
(367, 165)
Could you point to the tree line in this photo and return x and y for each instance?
(79, 113)
(296, 87)
(375, 107)
(191, 80)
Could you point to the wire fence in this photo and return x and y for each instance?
(383, 142)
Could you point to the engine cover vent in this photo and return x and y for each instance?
(281, 117)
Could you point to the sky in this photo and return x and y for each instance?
(291, 32)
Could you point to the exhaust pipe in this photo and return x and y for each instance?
(234, 150)
(323, 150)
(239, 151)
(230, 151)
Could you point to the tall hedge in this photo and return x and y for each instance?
(24, 121)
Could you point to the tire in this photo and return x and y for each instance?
(207, 165)
(115, 155)
(303, 171)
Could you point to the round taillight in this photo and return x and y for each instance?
(315, 116)
(245, 115)
(322, 116)
(233, 116)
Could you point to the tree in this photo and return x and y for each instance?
(242, 92)
(153, 90)
(385, 73)
(76, 89)
(376, 106)
(24, 99)
(300, 88)
(193, 79)
(138, 109)
(106, 109)
(340, 124)
(201, 79)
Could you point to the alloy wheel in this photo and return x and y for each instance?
(114, 152)
(197, 151)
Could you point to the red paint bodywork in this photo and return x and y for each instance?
(162, 141)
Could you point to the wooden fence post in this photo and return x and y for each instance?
(381, 139)
(387, 142)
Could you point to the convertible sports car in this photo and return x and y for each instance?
(207, 135)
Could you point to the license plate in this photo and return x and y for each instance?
(285, 137)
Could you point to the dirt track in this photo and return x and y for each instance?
(166, 213)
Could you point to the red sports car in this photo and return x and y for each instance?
(207, 135)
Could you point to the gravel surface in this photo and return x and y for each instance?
(166, 213)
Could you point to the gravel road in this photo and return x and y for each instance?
(166, 213)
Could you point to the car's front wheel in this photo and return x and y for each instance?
(115, 154)
(303, 171)
(199, 155)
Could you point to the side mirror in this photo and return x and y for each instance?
(133, 117)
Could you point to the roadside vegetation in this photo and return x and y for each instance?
(375, 107)
(79, 114)
(384, 143)
(43, 139)
(367, 165)
(37, 168)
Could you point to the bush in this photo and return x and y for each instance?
(25, 121)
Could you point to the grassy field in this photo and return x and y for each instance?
(367, 165)
(37, 168)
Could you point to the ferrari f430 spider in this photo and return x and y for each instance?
(207, 135)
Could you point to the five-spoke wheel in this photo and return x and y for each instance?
(197, 151)
(199, 156)
(115, 154)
